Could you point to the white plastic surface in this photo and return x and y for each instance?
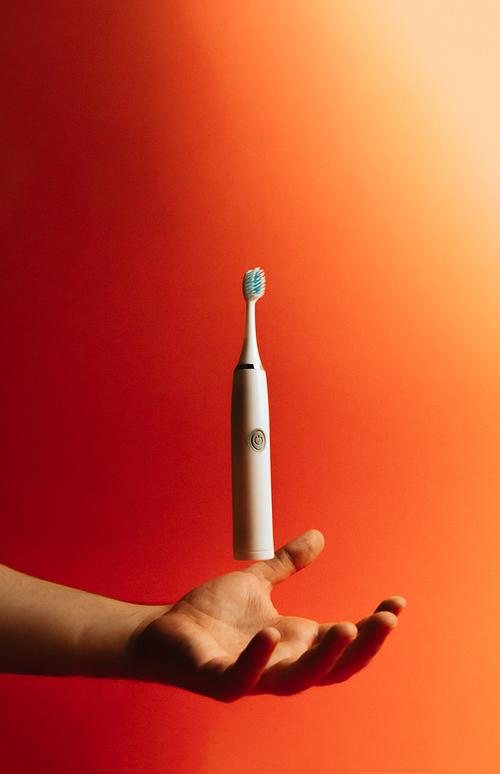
(251, 468)
(250, 351)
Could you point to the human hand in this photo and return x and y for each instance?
(225, 639)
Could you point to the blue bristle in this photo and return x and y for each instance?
(254, 284)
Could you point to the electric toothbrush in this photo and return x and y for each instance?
(250, 453)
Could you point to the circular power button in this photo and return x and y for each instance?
(257, 440)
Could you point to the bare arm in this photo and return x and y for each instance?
(223, 639)
(47, 629)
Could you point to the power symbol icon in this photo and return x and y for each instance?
(257, 440)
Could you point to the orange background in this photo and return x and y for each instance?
(152, 153)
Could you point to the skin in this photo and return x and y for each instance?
(225, 639)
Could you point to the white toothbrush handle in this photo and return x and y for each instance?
(251, 466)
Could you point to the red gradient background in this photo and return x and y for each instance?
(151, 154)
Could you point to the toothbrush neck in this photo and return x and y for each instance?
(250, 353)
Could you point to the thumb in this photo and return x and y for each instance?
(289, 559)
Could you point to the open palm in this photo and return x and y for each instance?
(225, 639)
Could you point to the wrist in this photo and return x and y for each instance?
(134, 666)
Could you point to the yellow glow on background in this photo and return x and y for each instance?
(153, 153)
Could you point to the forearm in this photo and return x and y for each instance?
(47, 629)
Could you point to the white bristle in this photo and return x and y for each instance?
(254, 284)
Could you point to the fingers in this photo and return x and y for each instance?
(291, 676)
(289, 559)
(372, 633)
(392, 605)
(246, 672)
(317, 662)
(334, 654)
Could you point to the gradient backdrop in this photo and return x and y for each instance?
(152, 152)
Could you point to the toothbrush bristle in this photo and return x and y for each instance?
(254, 284)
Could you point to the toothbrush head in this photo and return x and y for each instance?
(254, 284)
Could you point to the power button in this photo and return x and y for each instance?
(257, 440)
